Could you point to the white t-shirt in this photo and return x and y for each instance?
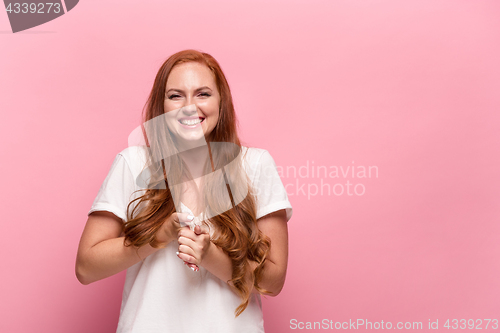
(162, 294)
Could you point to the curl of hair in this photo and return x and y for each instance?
(235, 230)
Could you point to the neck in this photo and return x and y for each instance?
(195, 159)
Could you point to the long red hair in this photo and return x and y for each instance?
(235, 230)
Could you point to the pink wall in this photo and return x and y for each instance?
(409, 87)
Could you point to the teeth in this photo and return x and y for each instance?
(190, 122)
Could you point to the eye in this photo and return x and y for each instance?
(205, 94)
(173, 96)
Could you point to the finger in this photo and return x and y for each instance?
(201, 229)
(185, 253)
(182, 219)
(187, 258)
(186, 232)
(187, 242)
(194, 267)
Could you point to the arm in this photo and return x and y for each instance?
(273, 225)
(101, 252)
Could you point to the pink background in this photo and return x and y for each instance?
(410, 87)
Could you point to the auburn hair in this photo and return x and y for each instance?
(235, 230)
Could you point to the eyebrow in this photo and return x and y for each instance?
(201, 88)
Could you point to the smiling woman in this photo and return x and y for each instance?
(188, 273)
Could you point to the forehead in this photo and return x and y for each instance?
(190, 75)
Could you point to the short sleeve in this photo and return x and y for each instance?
(269, 190)
(116, 190)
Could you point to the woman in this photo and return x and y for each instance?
(188, 273)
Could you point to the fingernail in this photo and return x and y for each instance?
(177, 252)
(190, 217)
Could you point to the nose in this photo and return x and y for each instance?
(189, 110)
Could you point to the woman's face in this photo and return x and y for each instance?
(191, 103)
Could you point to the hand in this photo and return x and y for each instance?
(193, 245)
(171, 226)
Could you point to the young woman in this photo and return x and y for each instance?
(198, 221)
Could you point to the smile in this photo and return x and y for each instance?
(191, 121)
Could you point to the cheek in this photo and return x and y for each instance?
(215, 108)
(173, 106)
(168, 107)
(210, 109)
(168, 115)
(214, 115)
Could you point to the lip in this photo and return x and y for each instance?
(190, 118)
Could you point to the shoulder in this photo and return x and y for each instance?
(258, 161)
(134, 151)
(135, 157)
(254, 155)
